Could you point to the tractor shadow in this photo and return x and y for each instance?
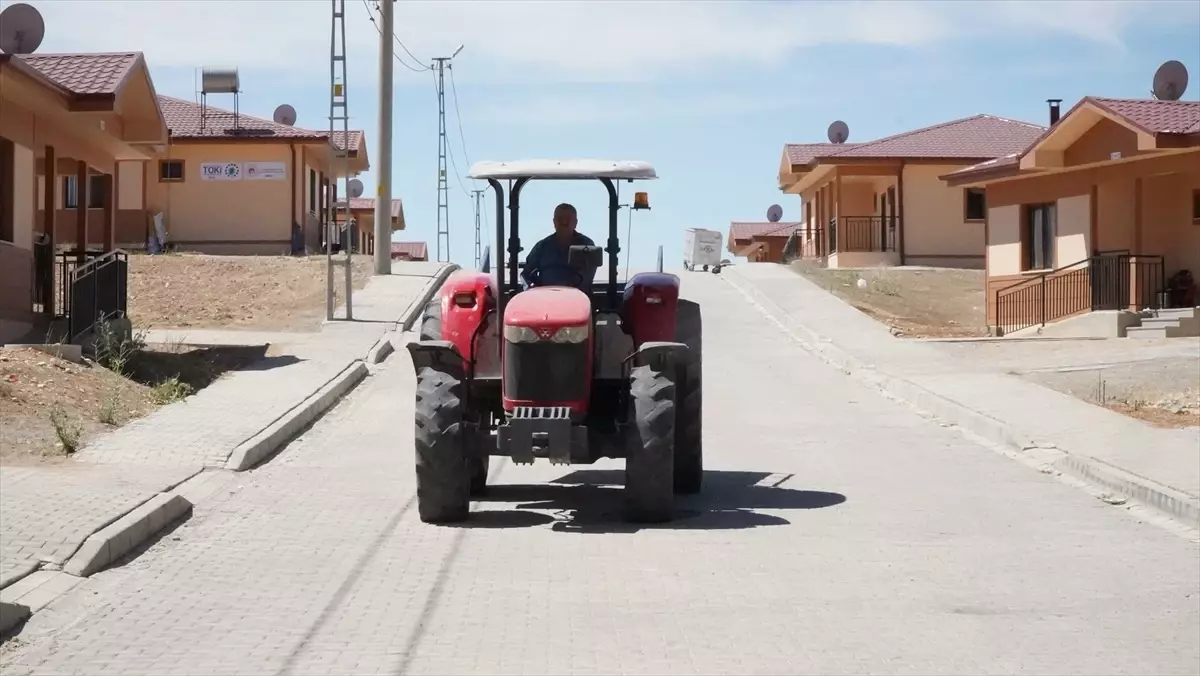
(592, 501)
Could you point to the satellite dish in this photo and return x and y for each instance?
(838, 132)
(355, 187)
(774, 213)
(21, 29)
(285, 114)
(1170, 81)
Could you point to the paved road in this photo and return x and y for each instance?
(896, 546)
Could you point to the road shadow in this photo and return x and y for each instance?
(592, 501)
(199, 367)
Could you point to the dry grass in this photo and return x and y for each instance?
(270, 293)
(1157, 417)
(51, 406)
(943, 303)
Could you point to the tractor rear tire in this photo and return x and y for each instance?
(689, 409)
(443, 475)
(479, 474)
(431, 321)
(649, 442)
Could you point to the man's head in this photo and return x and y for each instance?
(565, 219)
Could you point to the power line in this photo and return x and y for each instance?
(458, 118)
(371, 16)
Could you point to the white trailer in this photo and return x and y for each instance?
(702, 248)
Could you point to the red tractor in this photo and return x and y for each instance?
(557, 372)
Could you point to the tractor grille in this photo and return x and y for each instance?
(545, 372)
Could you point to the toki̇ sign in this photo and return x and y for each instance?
(220, 171)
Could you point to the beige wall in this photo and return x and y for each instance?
(224, 212)
(934, 223)
(1072, 230)
(1116, 204)
(1004, 249)
(24, 170)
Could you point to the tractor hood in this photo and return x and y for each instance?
(549, 307)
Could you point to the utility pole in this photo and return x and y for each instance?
(341, 155)
(383, 193)
(443, 185)
(478, 240)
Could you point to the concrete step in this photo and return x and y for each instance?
(1179, 313)
(1162, 331)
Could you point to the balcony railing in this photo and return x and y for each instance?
(1110, 280)
(862, 233)
(805, 244)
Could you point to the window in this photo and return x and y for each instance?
(97, 190)
(312, 191)
(170, 171)
(1038, 236)
(974, 204)
(1196, 206)
(7, 200)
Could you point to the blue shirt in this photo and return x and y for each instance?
(550, 259)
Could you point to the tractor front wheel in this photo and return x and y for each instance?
(649, 443)
(689, 436)
(431, 321)
(443, 474)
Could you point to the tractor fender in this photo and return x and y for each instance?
(440, 355)
(466, 298)
(659, 355)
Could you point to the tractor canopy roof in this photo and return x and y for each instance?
(564, 170)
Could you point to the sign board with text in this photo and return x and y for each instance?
(265, 171)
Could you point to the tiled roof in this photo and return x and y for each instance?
(184, 120)
(85, 73)
(1009, 160)
(981, 136)
(368, 204)
(803, 153)
(1156, 117)
(744, 231)
(414, 250)
(355, 139)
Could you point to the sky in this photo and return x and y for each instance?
(707, 91)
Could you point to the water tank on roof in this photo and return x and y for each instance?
(220, 81)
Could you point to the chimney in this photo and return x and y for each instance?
(1054, 110)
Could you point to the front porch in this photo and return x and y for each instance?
(852, 215)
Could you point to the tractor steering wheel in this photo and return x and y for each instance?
(536, 276)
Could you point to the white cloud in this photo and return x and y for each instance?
(567, 40)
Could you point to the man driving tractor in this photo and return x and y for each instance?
(547, 263)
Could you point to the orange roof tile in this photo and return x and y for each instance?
(744, 231)
(414, 250)
(1156, 117)
(977, 137)
(86, 73)
(368, 203)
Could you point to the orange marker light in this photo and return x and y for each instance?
(641, 200)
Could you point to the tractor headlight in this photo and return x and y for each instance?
(571, 334)
(566, 334)
(520, 334)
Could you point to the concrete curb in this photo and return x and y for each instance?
(1153, 494)
(381, 349)
(12, 614)
(126, 533)
(435, 283)
(252, 451)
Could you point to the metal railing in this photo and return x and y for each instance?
(804, 244)
(98, 292)
(862, 233)
(1110, 280)
(65, 263)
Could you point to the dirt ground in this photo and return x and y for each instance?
(51, 407)
(271, 293)
(915, 303)
(1156, 381)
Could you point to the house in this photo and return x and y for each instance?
(69, 120)
(1097, 213)
(410, 251)
(362, 212)
(883, 202)
(759, 242)
(234, 183)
